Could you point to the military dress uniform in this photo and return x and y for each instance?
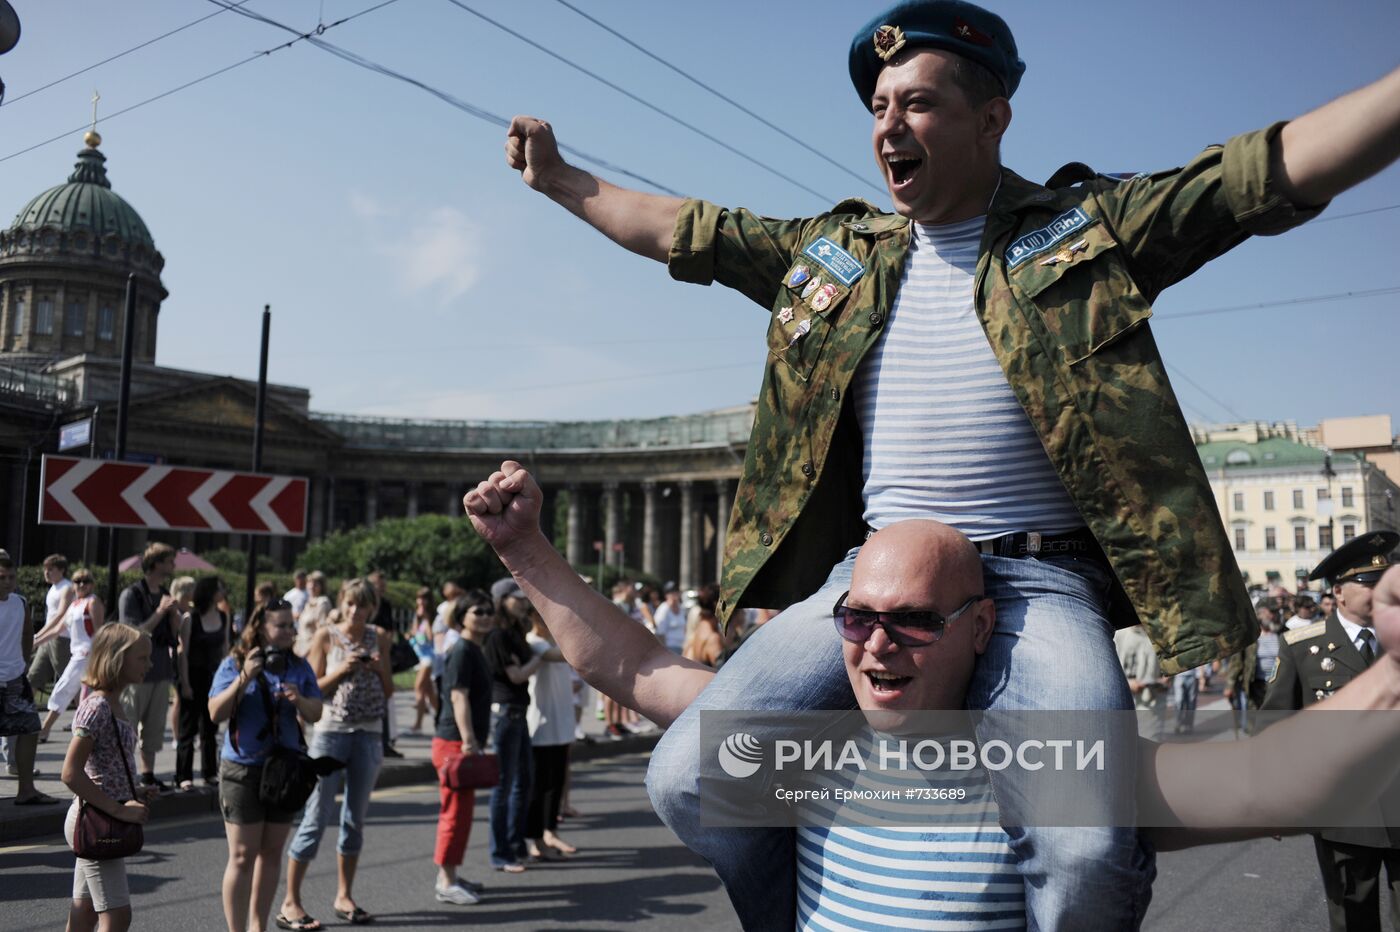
(1314, 662)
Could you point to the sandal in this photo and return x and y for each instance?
(303, 924)
(356, 916)
(38, 799)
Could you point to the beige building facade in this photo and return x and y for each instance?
(1286, 504)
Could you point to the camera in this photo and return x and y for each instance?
(275, 660)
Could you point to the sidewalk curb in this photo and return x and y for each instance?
(47, 823)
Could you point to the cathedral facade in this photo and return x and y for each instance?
(655, 494)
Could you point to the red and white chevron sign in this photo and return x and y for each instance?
(179, 498)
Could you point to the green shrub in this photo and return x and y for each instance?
(427, 550)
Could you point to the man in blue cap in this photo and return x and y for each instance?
(980, 357)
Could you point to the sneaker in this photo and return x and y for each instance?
(471, 885)
(392, 752)
(457, 895)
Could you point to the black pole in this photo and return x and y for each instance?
(123, 396)
(257, 458)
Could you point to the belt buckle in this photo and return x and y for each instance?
(1032, 542)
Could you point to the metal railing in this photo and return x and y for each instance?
(714, 428)
(14, 381)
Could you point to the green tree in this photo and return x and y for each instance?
(428, 549)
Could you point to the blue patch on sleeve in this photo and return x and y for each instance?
(835, 260)
(1040, 240)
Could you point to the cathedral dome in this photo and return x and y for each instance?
(83, 218)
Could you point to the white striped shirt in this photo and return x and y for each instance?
(945, 437)
(866, 871)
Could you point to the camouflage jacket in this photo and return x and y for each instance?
(1064, 289)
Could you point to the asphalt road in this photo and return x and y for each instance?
(630, 873)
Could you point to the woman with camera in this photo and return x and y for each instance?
(351, 660)
(101, 759)
(260, 689)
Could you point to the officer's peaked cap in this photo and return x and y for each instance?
(1362, 559)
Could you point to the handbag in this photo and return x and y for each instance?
(470, 771)
(99, 836)
(289, 774)
(402, 656)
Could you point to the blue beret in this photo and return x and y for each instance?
(953, 25)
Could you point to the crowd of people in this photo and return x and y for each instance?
(305, 673)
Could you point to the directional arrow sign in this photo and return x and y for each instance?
(103, 493)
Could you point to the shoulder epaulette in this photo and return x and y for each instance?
(855, 205)
(1302, 634)
(1075, 173)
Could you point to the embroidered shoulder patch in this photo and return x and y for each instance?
(835, 260)
(1040, 240)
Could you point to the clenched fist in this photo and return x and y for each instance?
(505, 507)
(532, 150)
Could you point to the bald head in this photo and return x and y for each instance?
(918, 566)
(916, 563)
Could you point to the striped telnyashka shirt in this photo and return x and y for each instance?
(864, 868)
(945, 437)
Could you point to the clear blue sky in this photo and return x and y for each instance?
(412, 274)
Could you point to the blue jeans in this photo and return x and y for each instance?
(1185, 694)
(1052, 649)
(510, 799)
(362, 754)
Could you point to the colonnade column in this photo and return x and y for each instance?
(611, 502)
(687, 569)
(413, 499)
(574, 538)
(371, 502)
(721, 525)
(649, 550)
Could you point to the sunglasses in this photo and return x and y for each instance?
(277, 605)
(82, 582)
(917, 628)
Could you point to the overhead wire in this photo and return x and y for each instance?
(1283, 302)
(235, 7)
(9, 102)
(643, 101)
(722, 96)
(1200, 388)
(447, 98)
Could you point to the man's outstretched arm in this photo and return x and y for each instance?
(1342, 143)
(642, 223)
(1294, 772)
(613, 653)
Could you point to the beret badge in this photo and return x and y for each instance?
(888, 41)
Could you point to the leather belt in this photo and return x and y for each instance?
(1034, 544)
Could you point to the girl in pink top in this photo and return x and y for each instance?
(98, 769)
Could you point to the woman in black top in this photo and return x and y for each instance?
(511, 663)
(204, 642)
(463, 724)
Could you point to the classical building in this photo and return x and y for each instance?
(655, 494)
(1286, 504)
